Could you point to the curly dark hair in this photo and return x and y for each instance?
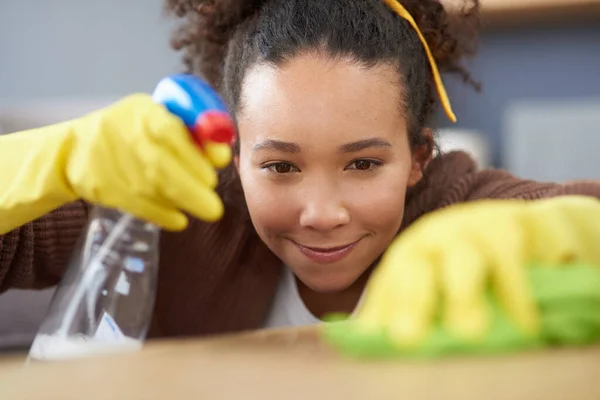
(221, 39)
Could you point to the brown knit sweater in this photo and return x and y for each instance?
(220, 277)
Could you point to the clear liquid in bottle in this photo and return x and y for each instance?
(105, 300)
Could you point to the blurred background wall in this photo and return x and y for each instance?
(67, 56)
(541, 82)
(83, 48)
(538, 115)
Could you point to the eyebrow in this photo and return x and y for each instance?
(290, 147)
(360, 145)
(277, 145)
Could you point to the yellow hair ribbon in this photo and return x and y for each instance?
(403, 13)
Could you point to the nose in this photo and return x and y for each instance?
(324, 212)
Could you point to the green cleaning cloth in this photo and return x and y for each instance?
(568, 300)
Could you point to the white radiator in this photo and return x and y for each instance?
(553, 140)
(469, 141)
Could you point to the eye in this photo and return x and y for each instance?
(364, 165)
(281, 168)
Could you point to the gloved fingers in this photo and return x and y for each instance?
(505, 246)
(513, 291)
(219, 154)
(376, 309)
(412, 297)
(181, 187)
(169, 132)
(463, 280)
(166, 218)
(553, 236)
(587, 220)
(564, 229)
(190, 156)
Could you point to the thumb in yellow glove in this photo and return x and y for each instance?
(134, 156)
(443, 265)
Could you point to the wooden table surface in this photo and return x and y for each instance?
(293, 364)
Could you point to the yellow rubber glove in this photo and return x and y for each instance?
(442, 266)
(133, 155)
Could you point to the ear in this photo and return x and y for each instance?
(421, 156)
(236, 162)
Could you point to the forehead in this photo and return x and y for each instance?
(318, 99)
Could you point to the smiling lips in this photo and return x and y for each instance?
(327, 255)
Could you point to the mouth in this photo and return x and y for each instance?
(326, 255)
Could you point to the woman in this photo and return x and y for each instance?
(333, 102)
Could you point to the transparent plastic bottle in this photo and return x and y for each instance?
(105, 300)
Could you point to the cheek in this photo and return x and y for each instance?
(378, 204)
(271, 209)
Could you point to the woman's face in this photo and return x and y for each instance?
(325, 163)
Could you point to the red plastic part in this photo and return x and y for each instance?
(214, 126)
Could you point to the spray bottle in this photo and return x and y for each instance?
(104, 302)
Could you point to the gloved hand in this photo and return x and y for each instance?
(440, 269)
(134, 156)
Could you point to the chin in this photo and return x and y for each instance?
(327, 283)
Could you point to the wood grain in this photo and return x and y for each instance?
(294, 364)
